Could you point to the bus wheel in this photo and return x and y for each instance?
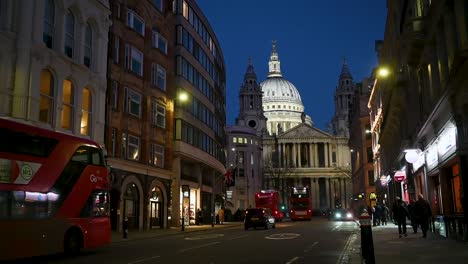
(72, 243)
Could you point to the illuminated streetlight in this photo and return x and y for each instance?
(383, 72)
(183, 96)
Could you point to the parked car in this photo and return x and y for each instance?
(342, 215)
(259, 217)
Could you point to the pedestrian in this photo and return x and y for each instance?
(400, 213)
(199, 217)
(221, 215)
(414, 224)
(384, 214)
(423, 214)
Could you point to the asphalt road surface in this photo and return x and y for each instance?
(316, 241)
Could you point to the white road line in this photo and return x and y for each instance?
(187, 249)
(143, 260)
(292, 260)
(344, 256)
(238, 237)
(309, 248)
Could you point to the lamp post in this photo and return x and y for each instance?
(179, 100)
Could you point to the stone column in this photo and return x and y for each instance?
(310, 164)
(325, 149)
(342, 192)
(316, 159)
(299, 156)
(294, 155)
(327, 192)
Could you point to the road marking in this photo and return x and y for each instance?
(205, 245)
(309, 248)
(204, 237)
(344, 256)
(143, 260)
(283, 236)
(238, 237)
(292, 260)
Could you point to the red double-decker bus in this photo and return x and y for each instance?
(269, 199)
(53, 192)
(300, 203)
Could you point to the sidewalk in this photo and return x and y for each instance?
(389, 248)
(117, 237)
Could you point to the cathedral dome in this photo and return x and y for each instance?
(282, 104)
(279, 90)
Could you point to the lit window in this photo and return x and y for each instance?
(135, 22)
(133, 148)
(46, 104)
(68, 105)
(234, 140)
(86, 110)
(159, 42)
(185, 10)
(69, 34)
(134, 59)
(157, 155)
(88, 46)
(49, 21)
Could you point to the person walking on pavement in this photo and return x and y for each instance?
(414, 224)
(423, 213)
(400, 213)
(221, 215)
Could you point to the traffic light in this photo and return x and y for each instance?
(283, 207)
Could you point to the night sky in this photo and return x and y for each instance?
(312, 38)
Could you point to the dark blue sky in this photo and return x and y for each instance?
(312, 39)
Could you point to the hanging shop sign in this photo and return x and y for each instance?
(399, 176)
(372, 196)
(447, 140)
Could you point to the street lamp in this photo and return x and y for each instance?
(383, 72)
(183, 96)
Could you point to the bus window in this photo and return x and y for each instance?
(22, 143)
(97, 205)
(27, 205)
(88, 155)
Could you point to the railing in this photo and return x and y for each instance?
(450, 226)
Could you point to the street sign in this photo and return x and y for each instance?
(400, 176)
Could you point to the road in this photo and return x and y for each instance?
(316, 241)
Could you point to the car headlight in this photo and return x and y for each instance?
(349, 215)
(338, 215)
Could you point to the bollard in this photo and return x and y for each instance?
(183, 223)
(367, 243)
(125, 227)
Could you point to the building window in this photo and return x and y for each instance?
(158, 115)
(46, 104)
(157, 155)
(113, 141)
(158, 76)
(124, 146)
(133, 102)
(159, 42)
(134, 59)
(69, 34)
(135, 22)
(370, 178)
(49, 21)
(68, 105)
(370, 155)
(456, 190)
(158, 4)
(88, 46)
(86, 112)
(251, 159)
(133, 148)
(116, 49)
(368, 132)
(115, 95)
(234, 140)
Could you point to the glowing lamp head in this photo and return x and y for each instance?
(383, 72)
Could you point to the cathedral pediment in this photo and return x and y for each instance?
(304, 131)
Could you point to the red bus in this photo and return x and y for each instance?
(300, 204)
(269, 199)
(53, 192)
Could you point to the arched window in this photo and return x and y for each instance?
(68, 108)
(88, 46)
(69, 34)
(49, 21)
(86, 112)
(46, 104)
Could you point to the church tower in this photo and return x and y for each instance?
(343, 101)
(250, 100)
